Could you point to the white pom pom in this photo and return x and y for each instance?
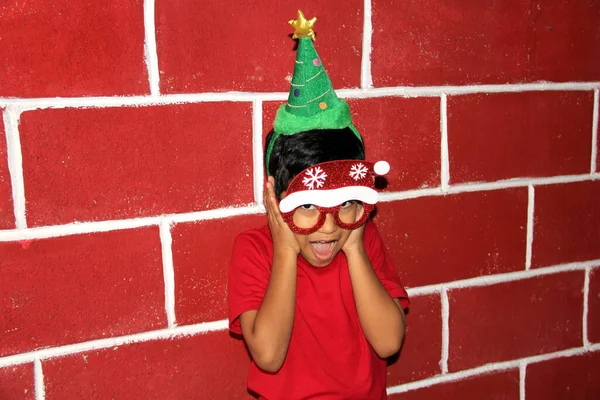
(381, 167)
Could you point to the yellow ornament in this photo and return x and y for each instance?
(303, 27)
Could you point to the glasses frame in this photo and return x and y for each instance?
(288, 217)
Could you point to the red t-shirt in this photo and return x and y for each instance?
(328, 355)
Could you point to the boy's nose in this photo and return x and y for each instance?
(329, 226)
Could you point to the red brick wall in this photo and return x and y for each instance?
(130, 149)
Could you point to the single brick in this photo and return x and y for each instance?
(403, 131)
(496, 386)
(16, 382)
(515, 319)
(72, 48)
(510, 135)
(77, 288)
(205, 366)
(422, 348)
(201, 256)
(593, 321)
(446, 238)
(566, 221)
(223, 46)
(573, 377)
(563, 41)
(7, 216)
(406, 133)
(142, 161)
(434, 42)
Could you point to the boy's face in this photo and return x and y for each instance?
(320, 248)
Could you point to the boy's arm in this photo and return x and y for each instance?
(381, 317)
(267, 331)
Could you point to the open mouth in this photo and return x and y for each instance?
(323, 249)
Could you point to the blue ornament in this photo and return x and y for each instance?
(297, 92)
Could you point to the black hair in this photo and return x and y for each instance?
(292, 154)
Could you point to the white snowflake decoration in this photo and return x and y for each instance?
(358, 171)
(315, 177)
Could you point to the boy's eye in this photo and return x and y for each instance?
(308, 207)
(350, 203)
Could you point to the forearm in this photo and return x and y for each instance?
(274, 320)
(381, 318)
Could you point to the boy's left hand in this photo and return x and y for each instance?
(355, 242)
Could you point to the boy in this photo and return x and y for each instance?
(313, 293)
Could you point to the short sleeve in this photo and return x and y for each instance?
(249, 273)
(382, 264)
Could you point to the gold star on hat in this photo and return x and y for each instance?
(303, 27)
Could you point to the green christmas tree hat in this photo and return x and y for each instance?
(312, 102)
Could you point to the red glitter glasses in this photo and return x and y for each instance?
(309, 218)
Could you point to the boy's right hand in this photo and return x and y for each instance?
(283, 237)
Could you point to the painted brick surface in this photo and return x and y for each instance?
(467, 42)
(403, 131)
(222, 46)
(442, 239)
(564, 378)
(406, 133)
(566, 221)
(77, 288)
(16, 382)
(72, 48)
(422, 347)
(565, 36)
(7, 216)
(207, 366)
(152, 160)
(201, 256)
(515, 319)
(498, 386)
(594, 307)
(509, 135)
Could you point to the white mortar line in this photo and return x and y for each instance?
(38, 380)
(522, 376)
(489, 280)
(586, 299)
(150, 48)
(402, 91)
(409, 194)
(487, 369)
(445, 329)
(366, 79)
(190, 330)
(15, 164)
(530, 210)
(483, 186)
(104, 226)
(593, 166)
(168, 333)
(113, 225)
(445, 158)
(519, 182)
(168, 272)
(257, 151)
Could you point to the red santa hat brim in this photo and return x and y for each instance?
(329, 197)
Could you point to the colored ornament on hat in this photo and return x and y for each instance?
(312, 103)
